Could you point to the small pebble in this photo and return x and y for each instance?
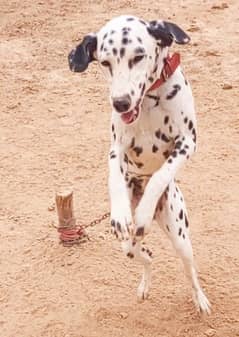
(226, 86)
(123, 315)
(51, 208)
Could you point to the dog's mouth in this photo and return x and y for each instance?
(130, 116)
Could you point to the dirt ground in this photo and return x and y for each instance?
(54, 131)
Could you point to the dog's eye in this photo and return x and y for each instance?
(138, 58)
(105, 63)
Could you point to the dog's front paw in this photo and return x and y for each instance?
(122, 225)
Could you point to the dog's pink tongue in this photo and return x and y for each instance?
(127, 117)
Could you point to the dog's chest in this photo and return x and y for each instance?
(151, 141)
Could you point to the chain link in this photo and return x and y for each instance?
(97, 220)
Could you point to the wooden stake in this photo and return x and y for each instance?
(64, 203)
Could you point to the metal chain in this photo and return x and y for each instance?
(97, 220)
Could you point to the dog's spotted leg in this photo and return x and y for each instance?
(135, 250)
(184, 146)
(174, 221)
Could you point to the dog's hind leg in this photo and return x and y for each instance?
(135, 250)
(174, 221)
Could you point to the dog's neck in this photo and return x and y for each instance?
(165, 69)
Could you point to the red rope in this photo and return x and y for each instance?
(71, 235)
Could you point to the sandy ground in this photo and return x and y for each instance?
(54, 130)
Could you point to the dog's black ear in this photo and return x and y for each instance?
(80, 57)
(167, 32)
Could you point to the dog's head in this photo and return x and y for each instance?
(131, 53)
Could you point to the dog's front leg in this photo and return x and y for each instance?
(121, 215)
(184, 146)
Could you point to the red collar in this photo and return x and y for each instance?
(170, 65)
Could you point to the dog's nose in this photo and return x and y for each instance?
(122, 104)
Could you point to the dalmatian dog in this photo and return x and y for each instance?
(153, 133)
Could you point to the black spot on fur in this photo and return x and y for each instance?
(132, 92)
(151, 79)
(121, 169)
(186, 221)
(185, 120)
(181, 214)
(174, 92)
(118, 226)
(122, 52)
(130, 64)
(113, 128)
(154, 148)
(174, 154)
(139, 39)
(165, 138)
(140, 231)
(112, 155)
(149, 252)
(190, 125)
(139, 50)
(125, 40)
(130, 19)
(130, 255)
(112, 223)
(178, 145)
(167, 228)
(170, 128)
(111, 41)
(166, 154)
(132, 142)
(182, 152)
(136, 184)
(126, 160)
(166, 119)
(138, 150)
(105, 36)
(115, 51)
(139, 165)
(180, 231)
(194, 135)
(158, 133)
(170, 160)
